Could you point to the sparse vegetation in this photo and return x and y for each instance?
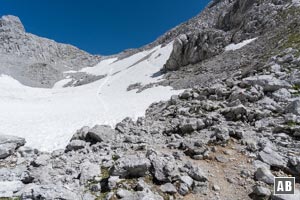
(296, 87)
(291, 124)
(115, 157)
(289, 13)
(293, 41)
(104, 172)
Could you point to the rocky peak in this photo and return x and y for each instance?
(37, 61)
(11, 23)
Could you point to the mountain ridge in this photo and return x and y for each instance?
(37, 56)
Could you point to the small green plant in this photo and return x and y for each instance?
(292, 124)
(296, 87)
(104, 172)
(293, 41)
(115, 157)
(148, 179)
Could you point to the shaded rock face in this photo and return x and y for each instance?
(22, 54)
(193, 48)
(248, 18)
(234, 17)
(96, 134)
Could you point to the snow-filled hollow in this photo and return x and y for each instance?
(47, 118)
(233, 47)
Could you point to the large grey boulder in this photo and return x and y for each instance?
(235, 113)
(131, 166)
(265, 175)
(75, 145)
(163, 166)
(253, 94)
(168, 188)
(282, 95)
(197, 174)
(41, 160)
(195, 47)
(294, 107)
(81, 133)
(89, 171)
(99, 133)
(9, 144)
(272, 158)
(187, 180)
(260, 191)
(268, 82)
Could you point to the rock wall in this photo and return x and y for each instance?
(233, 23)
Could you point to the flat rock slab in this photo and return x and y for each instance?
(272, 158)
(131, 166)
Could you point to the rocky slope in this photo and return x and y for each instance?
(224, 138)
(36, 61)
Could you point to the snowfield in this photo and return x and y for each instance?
(47, 118)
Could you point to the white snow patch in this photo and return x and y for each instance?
(70, 72)
(47, 118)
(100, 69)
(233, 47)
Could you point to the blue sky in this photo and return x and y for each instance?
(102, 27)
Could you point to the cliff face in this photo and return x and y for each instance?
(37, 61)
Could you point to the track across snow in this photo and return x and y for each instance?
(47, 118)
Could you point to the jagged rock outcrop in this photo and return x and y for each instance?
(233, 22)
(193, 48)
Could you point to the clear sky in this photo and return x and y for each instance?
(99, 26)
